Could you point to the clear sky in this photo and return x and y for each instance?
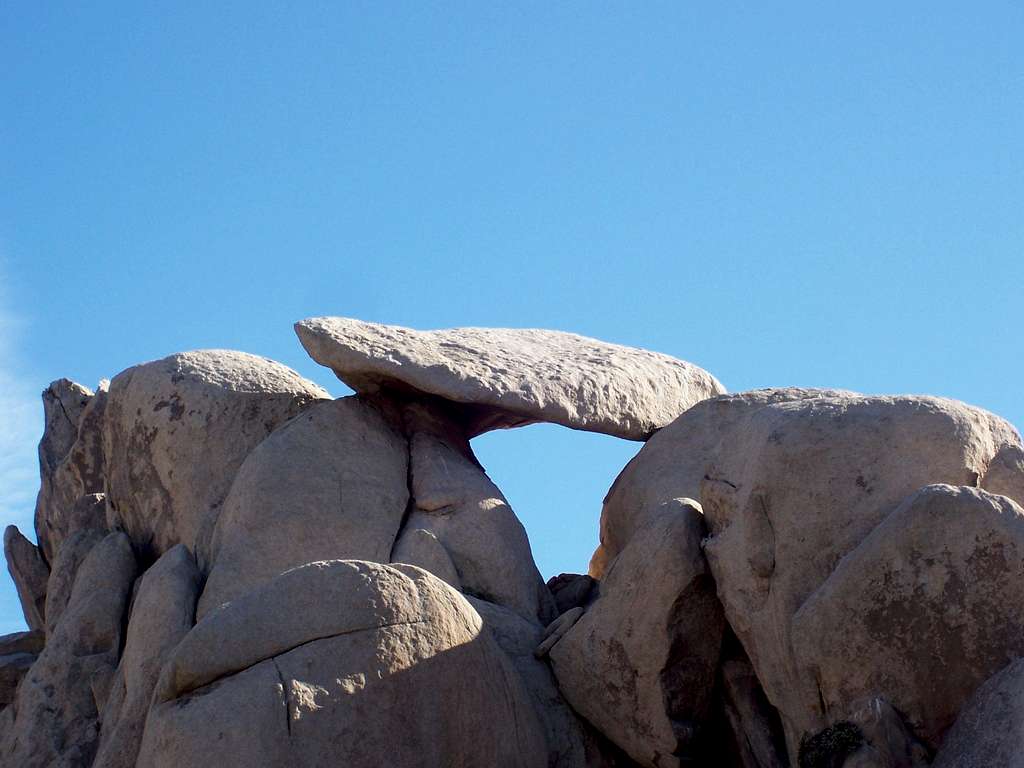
(815, 194)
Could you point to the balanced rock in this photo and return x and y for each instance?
(511, 377)
(176, 431)
(342, 663)
(785, 577)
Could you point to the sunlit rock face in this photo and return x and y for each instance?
(501, 377)
(233, 569)
(343, 662)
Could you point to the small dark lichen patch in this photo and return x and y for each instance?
(830, 747)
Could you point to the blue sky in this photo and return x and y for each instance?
(823, 196)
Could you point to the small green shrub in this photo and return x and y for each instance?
(830, 747)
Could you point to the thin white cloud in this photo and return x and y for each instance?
(20, 428)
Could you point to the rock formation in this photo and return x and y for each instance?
(511, 377)
(233, 569)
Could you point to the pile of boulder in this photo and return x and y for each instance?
(234, 569)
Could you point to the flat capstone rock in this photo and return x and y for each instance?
(502, 377)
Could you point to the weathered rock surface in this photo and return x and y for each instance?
(456, 503)
(177, 429)
(674, 462)
(751, 718)
(568, 741)
(640, 664)
(419, 547)
(29, 573)
(162, 614)
(64, 402)
(922, 612)
(22, 642)
(1005, 475)
(71, 460)
(54, 720)
(70, 556)
(13, 667)
(888, 743)
(18, 652)
(847, 580)
(332, 484)
(990, 729)
(791, 481)
(510, 377)
(571, 590)
(556, 630)
(342, 662)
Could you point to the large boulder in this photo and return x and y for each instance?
(510, 377)
(989, 731)
(54, 720)
(790, 482)
(922, 612)
(673, 464)
(1005, 474)
(29, 573)
(177, 429)
(162, 613)
(640, 664)
(342, 663)
(331, 484)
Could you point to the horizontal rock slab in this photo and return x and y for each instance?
(512, 377)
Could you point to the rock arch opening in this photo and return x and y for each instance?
(555, 479)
